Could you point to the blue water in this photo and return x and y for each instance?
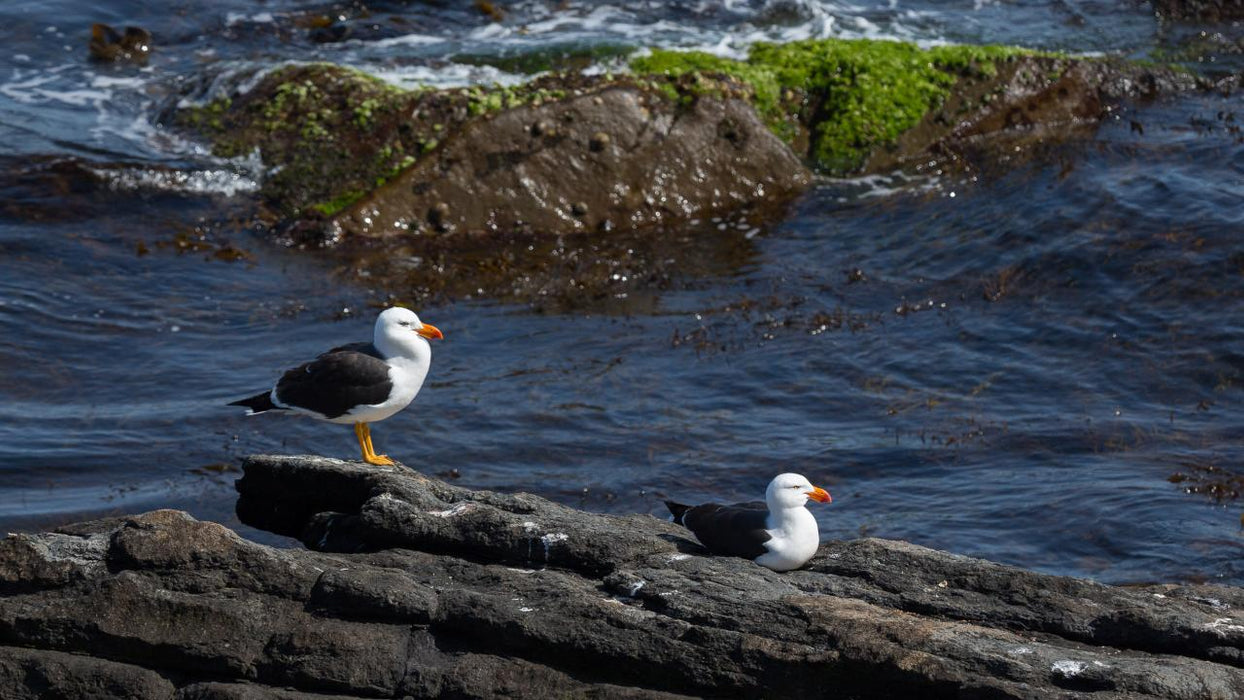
(1008, 364)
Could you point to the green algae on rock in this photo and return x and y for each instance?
(859, 105)
(560, 154)
(332, 134)
(329, 131)
(351, 155)
(852, 95)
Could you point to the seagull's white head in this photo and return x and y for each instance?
(400, 332)
(793, 491)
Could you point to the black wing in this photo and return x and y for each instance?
(365, 348)
(336, 382)
(737, 531)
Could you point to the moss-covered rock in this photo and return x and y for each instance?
(560, 154)
(333, 134)
(678, 142)
(852, 96)
(850, 105)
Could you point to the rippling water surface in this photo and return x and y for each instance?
(1012, 365)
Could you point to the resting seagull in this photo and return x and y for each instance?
(779, 534)
(358, 383)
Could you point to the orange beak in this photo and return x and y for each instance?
(820, 495)
(431, 332)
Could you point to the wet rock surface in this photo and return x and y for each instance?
(561, 154)
(1028, 102)
(687, 136)
(617, 158)
(132, 44)
(413, 587)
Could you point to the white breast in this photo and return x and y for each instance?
(794, 540)
(407, 377)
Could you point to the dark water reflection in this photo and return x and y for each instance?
(1009, 366)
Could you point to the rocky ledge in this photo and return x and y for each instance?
(413, 587)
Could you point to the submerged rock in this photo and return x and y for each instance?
(133, 44)
(413, 587)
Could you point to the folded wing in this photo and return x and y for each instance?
(736, 530)
(336, 382)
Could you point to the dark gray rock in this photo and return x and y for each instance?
(40, 673)
(413, 587)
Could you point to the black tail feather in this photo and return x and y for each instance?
(257, 403)
(677, 510)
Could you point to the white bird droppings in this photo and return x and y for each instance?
(1223, 625)
(548, 541)
(1212, 602)
(1068, 668)
(449, 513)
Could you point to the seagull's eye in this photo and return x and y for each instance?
(403, 323)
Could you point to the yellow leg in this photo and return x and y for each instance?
(369, 452)
(358, 433)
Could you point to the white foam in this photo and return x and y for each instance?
(886, 184)
(539, 25)
(445, 76)
(233, 19)
(190, 181)
(111, 81)
(408, 40)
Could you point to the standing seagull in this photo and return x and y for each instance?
(779, 534)
(358, 383)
